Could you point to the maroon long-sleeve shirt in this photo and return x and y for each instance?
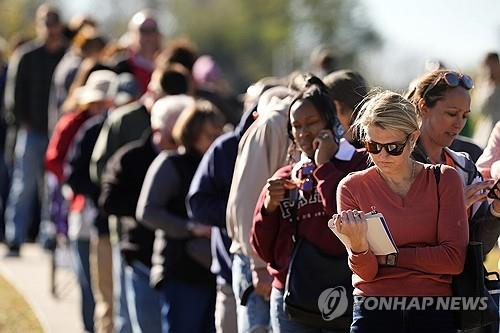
(271, 236)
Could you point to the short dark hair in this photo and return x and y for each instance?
(491, 56)
(188, 126)
(175, 80)
(45, 10)
(347, 86)
(179, 51)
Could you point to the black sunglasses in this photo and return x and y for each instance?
(452, 80)
(393, 148)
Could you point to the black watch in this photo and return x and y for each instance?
(391, 259)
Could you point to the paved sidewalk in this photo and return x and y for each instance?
(30, 274)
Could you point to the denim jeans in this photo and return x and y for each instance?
(143, 301)
(28, 171)
(187, 308)
(254, 317)
(279, 319)
(81, 250)
(400, 321)
(121, 317)
(4, 191)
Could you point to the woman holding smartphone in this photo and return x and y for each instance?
(443, 102)
(314, 130)
(427, 220)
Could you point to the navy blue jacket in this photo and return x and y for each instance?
(209, 192)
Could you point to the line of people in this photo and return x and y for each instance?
(177, 227)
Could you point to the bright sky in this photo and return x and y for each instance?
(458, 32)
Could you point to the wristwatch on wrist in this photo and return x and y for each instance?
(390, 259)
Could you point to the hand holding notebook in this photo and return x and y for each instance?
(378, 235)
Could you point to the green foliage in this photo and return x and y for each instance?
(241, 35)
(253, 39)
(17, 17)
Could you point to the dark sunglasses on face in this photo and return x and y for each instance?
(452, 80)
(393, 148)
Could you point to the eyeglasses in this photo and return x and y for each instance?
(393, 148)
(452, 80)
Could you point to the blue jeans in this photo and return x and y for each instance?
(121, 316)
(254, 317)
(81, 250)
(400, 321)
(143, 301)
(187, 308)
(4, 191)
(28, 171)
(279, 319)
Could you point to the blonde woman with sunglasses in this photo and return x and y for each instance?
(431, 235)
(443, 102)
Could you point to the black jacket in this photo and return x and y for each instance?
(28, 86)
(162, 207)
(121, 185)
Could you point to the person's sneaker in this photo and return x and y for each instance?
(13, 252)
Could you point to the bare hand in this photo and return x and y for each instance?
(352, 223)
(276, 189)
(325, 147)
(262, 282)
(476, 192)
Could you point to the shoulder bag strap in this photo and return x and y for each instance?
(294, 203)
(437, 175)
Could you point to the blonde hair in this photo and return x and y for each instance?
(387, 110)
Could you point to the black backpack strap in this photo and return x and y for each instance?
(294, 206)
(437, 172)
(437, 175)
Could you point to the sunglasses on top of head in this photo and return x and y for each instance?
(393, 148)
(452, 80)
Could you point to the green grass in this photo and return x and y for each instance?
(15, 314)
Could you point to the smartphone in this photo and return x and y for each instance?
(491, 193)
(338, 131)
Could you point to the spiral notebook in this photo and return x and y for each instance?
(379, 236)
